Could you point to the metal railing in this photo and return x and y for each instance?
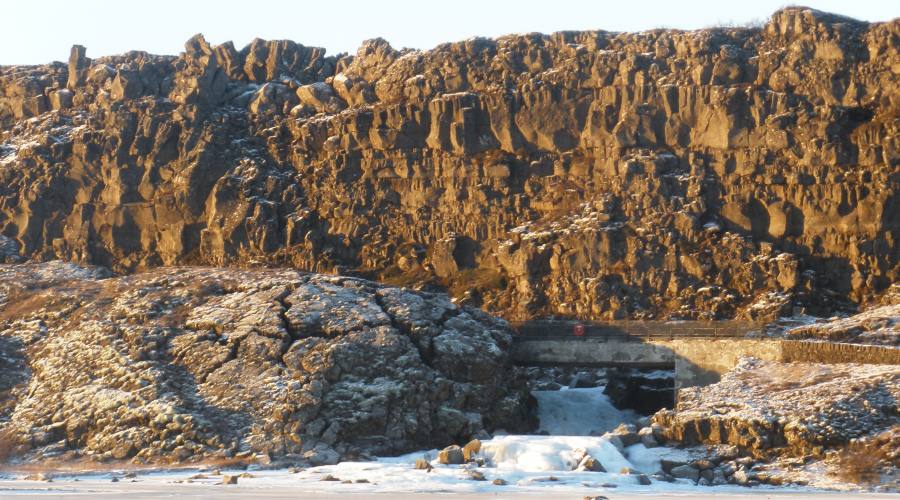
(633, 330)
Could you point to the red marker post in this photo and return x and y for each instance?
(579, 331)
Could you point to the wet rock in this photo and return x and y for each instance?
(742, 476)
(627, 435)
(648, 437)
(589, 463)
(40, 476)
(471, 449)
(685, 472)
(451, 455)
(476, 475)
(227, 479)
(322, 454)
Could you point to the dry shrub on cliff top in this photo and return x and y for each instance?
(861, 461)
(857, 464)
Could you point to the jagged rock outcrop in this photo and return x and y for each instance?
(729, 172)
(770, 409)
(184, 364)
(878, 325)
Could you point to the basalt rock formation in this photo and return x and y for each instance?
(728, 172)
(769, 409)
(200, 364)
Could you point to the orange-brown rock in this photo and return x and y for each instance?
(705, 174)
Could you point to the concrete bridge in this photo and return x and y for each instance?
(698, 352)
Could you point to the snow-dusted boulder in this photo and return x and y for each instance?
(194, 364)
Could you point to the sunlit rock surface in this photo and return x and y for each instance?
(191, 364)
(726, 172)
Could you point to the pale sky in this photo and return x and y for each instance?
(40, 31)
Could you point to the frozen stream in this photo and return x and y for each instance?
(579, 412)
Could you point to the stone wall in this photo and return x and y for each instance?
(703, 361)
(796, 351)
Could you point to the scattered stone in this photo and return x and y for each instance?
(322, 454)
(329, 477)
(627, 434)
(742, 476)
(40, 476)
(685, 472)
(423, 464)
(228, 479)
(589, 463)
(499, 482)
(471, 449)
(475, 475)
(703, 464)
(451, 455)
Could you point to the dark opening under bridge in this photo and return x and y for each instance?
(698, 352)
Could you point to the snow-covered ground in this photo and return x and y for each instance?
(388, 479)
(537, 466)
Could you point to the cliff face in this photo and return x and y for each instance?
(716, 173)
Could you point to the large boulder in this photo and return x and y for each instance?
(191, 364)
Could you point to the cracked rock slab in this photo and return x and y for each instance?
(191, 364)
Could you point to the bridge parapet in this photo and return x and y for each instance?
(637, 330)
(696, 360)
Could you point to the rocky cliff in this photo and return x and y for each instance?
(199, 364)
(728, 172)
